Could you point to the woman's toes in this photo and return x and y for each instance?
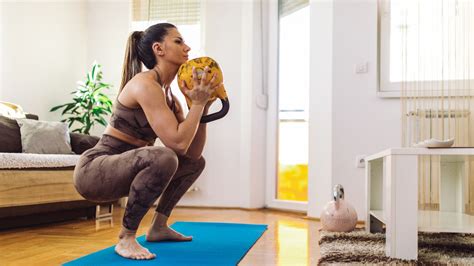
(142, 255)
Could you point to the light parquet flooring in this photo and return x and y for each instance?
(291, 239)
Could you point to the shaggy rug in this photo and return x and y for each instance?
(361, 247)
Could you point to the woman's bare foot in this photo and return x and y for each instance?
(165, 233)
(128, 247)
(159, 230)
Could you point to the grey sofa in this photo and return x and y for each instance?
(32, 195)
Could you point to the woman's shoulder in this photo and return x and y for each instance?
(143, 81)
(144, 78)
(142, 88)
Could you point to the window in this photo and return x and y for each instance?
(425, 42)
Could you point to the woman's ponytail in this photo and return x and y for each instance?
(132, 65)
(139, 50)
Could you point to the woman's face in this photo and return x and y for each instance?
(174, 48)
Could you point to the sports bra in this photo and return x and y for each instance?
(133, 121)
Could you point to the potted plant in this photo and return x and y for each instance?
(89, 104)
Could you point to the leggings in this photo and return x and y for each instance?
(114, 169)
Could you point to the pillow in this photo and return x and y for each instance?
(44, 137)
(10, 140)
(82, 142)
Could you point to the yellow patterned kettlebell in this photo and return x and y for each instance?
(185, 72)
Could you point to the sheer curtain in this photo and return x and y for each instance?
(436, 39)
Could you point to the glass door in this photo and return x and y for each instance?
(288, 129)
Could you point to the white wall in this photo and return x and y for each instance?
(47, 46)
(108, 27)
(320, 160)
(359, 122)
(42, 53)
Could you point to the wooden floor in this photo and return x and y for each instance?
(291, 239)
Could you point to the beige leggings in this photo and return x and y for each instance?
(114, 169)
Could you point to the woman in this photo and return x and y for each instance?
(123, 163)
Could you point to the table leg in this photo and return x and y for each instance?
(401, 206)
(368, 164)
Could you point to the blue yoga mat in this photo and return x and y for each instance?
(212, 244)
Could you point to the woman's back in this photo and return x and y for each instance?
(132, 121)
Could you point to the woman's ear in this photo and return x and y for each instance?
(157, 48)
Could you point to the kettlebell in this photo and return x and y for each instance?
(338, 215)
(185, 72)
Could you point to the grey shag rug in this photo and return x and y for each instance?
(359, 247)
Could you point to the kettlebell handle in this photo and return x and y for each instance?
(338, 192)
(218, 115)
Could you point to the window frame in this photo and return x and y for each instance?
(385, 88)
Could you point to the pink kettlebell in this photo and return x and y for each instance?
(338, 215)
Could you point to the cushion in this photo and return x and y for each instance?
(36, 161)
(82, 142)
(10, 140)
(44, 137)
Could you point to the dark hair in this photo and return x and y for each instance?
(139, 50)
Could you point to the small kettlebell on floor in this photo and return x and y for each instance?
(338, 215)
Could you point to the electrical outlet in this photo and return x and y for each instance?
(360, 161)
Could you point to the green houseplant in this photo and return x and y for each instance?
(89, 104)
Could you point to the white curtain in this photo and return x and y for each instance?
(436, 39)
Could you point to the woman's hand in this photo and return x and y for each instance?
(210, 102)
(202, 89)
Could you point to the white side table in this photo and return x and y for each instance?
(392, 199)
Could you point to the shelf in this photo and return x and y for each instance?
(436, 221)
(421, 151)
(378, 214)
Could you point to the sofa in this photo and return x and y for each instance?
(38, 188)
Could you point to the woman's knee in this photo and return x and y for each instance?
(201, 162)
(195, 164)
(164, 160)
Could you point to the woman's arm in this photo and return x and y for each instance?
(197, 146)
(175, 135)
(199, 141)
